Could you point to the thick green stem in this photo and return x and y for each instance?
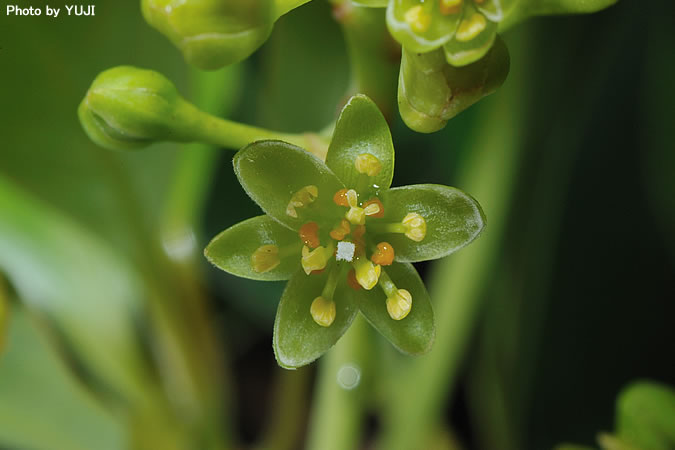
(489, 174)
(373, 55)
(337, 412)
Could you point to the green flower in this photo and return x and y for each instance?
(342, 237)
(466, 29)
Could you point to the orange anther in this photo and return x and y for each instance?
(340, 197)
(342, 230)
(351, 280)
(376, 201)
(309, 234)
(384, 254)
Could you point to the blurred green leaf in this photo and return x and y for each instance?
(74, 280)
(43, 407)
(360, 129)
(232, 249)
(298, 339)
(646, 415)
(413, 334)
(453, 220)
(4, 314)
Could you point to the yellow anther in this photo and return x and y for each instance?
(399, 305)
(450, 6)
(356, 216)
(368, 164)
(415, 226)
(367, 274)
(302, 198)
(314, 259)
(471, 27)
(372, 209)
(418, 19)
(323, 311)
(352, 198)
(265, 258)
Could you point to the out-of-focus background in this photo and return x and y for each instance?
(115, 333)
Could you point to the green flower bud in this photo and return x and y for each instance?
(212, 33)
(431, 91)
(129, 108)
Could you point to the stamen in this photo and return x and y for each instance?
(418, 19)
(367, 273)
(302, 198)
(323, 311)
(340, 198)
(384, 254)
(399, 301)
(415, 226)
(309, 234)
(315, 259)
(265, 258)
(471, 27)
(352, 198)
(399, 305)
(374, 201)
(338, 233)
(368, 164)
(450, 6)
(356, 216)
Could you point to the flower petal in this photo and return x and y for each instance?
(361, 128)
(453, 220)
(420, 26)
(473, 39)
(298, 340)
(416, 332)
(274, 173)
(233, 249)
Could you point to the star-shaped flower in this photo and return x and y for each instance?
(466, 29)
(342, 237)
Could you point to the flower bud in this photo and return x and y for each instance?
(431, 91)
(212, 33)
(323, 311)
(129, 108)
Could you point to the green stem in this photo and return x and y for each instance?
(285, 426)
(489, 174)
(337, 412)
(4, 313)
(373, 55)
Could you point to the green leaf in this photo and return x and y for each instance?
(431, 91)
(4, 314)
(415, 333)
(361, 128)
(79, 283)
(232, 249)
(646, 416)
(271, 172)
(43, 407)
(438, 29)
(460, 53)
(298, 340)
(453, 219)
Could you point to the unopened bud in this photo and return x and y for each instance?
(129, 108)
(212, 33)
(431, 91)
